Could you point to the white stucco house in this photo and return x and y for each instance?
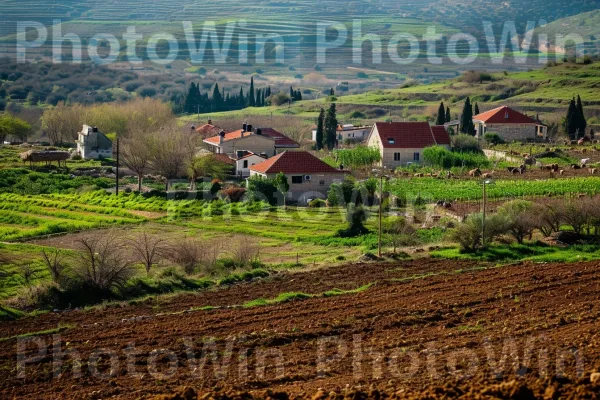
(93, 144)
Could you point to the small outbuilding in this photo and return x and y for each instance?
(93, 144)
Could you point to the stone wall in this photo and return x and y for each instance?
(511, 132)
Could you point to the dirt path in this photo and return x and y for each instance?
(437, 316)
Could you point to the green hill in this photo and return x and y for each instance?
(586, 24)
(546, 92)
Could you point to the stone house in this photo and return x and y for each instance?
(262, 141)
(308, 176)
(93, 144)
(402, 143)
(509, 124)
(244, 160)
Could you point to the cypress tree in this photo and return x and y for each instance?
(299, 95)
(332, 92)
(571, 120)
(251, 98)
(292, 93)
(241, 100)
(189, 99)
(466, 122)
(217, 99)
(476, 112)
(331, 124)
(581, 122)
(441, 115)
(448, 116)
(320, 130)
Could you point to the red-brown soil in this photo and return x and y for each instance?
(449, 323)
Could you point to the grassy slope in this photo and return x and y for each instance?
(555, 86)
(548, 90)
(586, 24)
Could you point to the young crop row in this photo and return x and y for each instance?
(430, 189)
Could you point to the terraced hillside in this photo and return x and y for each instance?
(587, 25)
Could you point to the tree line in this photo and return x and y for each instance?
(220, 100)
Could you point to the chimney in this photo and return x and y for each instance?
(221, 136)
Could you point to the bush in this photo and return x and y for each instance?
(519, 219)
(340, 194)
(356, 218)
(469, 234)
(317, 203)
(262, 189)
(493, 138)
(464, 142)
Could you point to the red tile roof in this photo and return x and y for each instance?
(410, 135)
(224, 158)
(208, 130)
(441, 135)
(280, 139)
(294, 162)
(504, 115)
(228, 136)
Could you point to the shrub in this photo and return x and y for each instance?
(518, 218)
(245, 252)
(102, 263)
(340, 194)
(469, 234)
(356, 218)
(493, 138)
(317, 203)
(262, 189)
(464, 142)
(188, 254)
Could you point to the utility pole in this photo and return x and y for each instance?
(483, 219)
(380, 213)
(118, 154)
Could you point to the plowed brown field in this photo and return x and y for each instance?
(424, 329)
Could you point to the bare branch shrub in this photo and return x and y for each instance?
(148, 249)
(188, 254)
(102, 263)
(28, 274)
(245, 252)
(54, 263)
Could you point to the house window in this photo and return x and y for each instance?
(322, 182)
(396, 156)
(245, 164)
(391, 141)
(297, 179)
(416, 157)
